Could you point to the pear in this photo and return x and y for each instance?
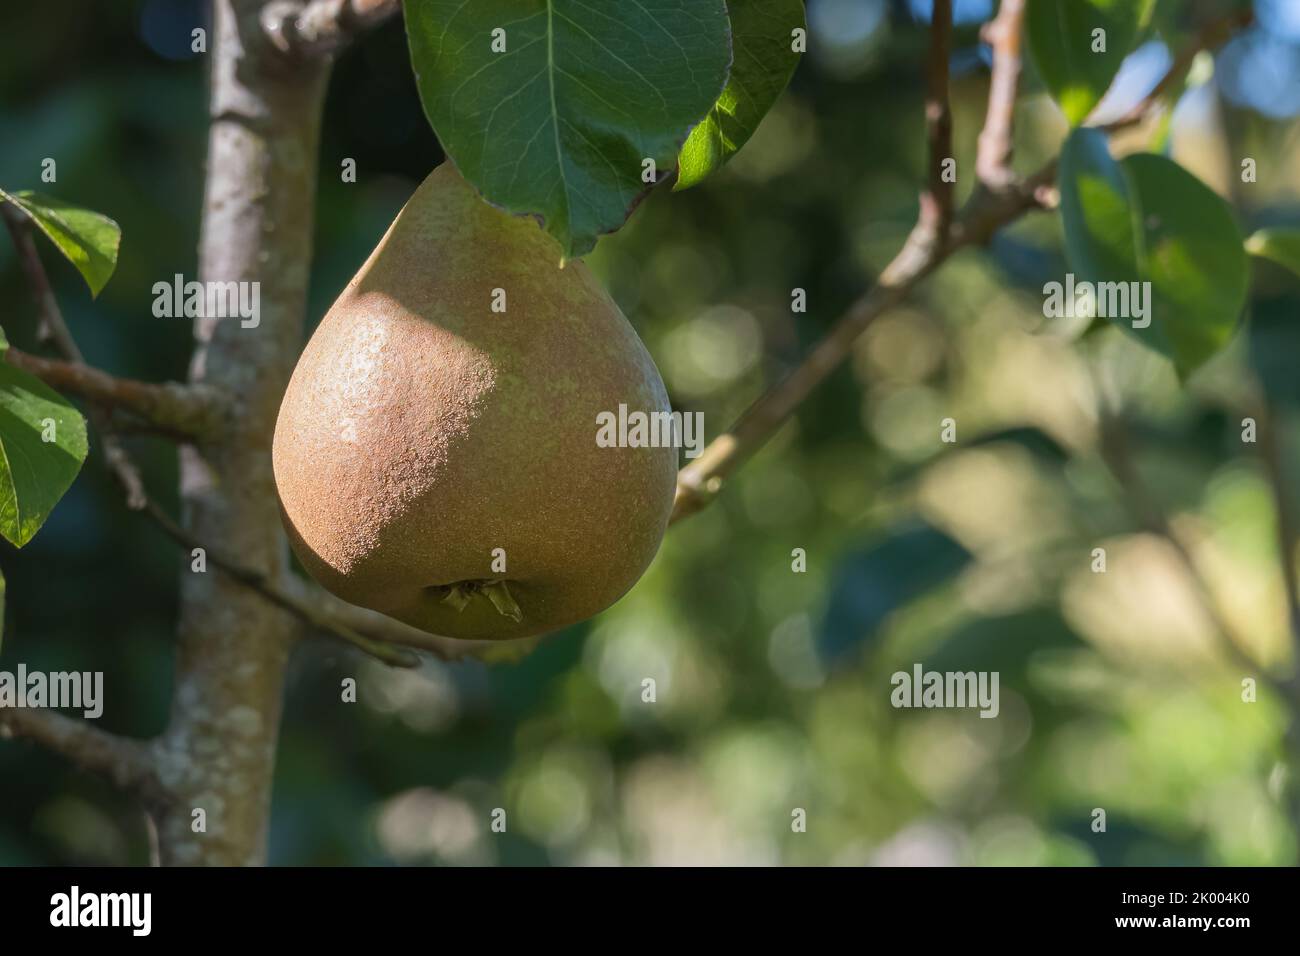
(436, 458)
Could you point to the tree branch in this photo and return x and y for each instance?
(937, 200)
(702, 479)
(995, 146)
(169, 408)
(985, 212)
(126, 763)
(322, 27)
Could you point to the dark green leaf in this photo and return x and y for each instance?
(1280, 245)
(763, 61)
(872, 584)
(1061, 41)
(88, 239)
(558, 125)
(34, 473)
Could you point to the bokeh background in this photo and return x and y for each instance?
(772, 686)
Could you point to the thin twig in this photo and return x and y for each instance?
(937, 200)
(1288, 527)
(322, 27)
(380, 627)
(987, 211)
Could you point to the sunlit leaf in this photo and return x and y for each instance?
(42, 446)
(1076, 62)
(1278, 245)
(763, 61)
(88, 239)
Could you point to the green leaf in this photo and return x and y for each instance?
(1146, 219)
(1190, 249)
(1279, 245)
(1061, 41)
(557, 125)
(762, 64)
(88, 239)
(34, 473)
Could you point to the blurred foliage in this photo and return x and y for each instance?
(1114, 692)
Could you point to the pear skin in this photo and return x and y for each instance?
(425, 438)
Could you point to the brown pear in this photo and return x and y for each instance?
(436, 452)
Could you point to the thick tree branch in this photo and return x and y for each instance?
(124, 762)
(169, 408)
(988, 210)
(937, 200)
(322, 27)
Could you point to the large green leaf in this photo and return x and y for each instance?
(1146, 219)
(559, 124)
(88, 239)
(1061, 40)
(1280, 245)
(763, 61)
(34, 473)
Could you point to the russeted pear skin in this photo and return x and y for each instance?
(422, 430)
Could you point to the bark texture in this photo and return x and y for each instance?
(218, 752)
